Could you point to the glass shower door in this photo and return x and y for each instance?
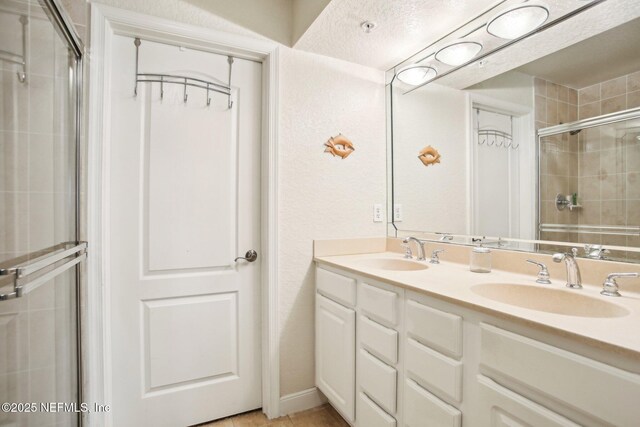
(39, 247)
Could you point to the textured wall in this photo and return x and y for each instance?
(322, 196)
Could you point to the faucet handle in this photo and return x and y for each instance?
(407, 251)
(543, 274)
(610, 286)
(434, 256)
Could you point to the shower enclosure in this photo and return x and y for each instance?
(589, 174)
(40, 251)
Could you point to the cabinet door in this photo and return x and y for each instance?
(335, 354)
(501, 407)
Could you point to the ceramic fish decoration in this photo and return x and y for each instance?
(339, 146)
(429, 156)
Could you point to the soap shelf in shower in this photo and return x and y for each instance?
(563, 202)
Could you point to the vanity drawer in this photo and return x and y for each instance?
(378, 303)
(368, 414)
(378, 380)
(378, 340)
(339, 288)
(423, 409)
(435, 372)
(501, 407)
(439, 330)
(609, 394)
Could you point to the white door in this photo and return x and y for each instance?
(184, 201)
(496, 177)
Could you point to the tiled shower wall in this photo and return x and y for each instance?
(556, 104)
(610, 163)
(597, 163)
(609, 97)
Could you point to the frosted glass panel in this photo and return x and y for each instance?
(38, 347)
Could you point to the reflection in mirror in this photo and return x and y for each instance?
(589, 189)
(543, 156)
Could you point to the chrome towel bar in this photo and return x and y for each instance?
(22, 287)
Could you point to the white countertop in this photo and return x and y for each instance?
(453, 282)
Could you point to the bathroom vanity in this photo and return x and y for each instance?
(407, 343)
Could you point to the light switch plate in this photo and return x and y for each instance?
(397, 212)
(378, 214)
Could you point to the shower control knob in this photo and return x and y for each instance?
(250, 256)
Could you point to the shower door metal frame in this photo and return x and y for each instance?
(61, 20)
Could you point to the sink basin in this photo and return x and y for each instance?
(550, 300)
(393, 264)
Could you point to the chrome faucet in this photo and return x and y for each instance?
(574, 280)
(610, 286)
(595, 251)
(420, 244)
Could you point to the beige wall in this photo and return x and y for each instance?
(320, 196)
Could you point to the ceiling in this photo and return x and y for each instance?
(608, 55)
(403, 28)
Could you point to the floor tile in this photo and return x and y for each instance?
(250, 419)
(321, 417)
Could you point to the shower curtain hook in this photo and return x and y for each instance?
(230, 62)
(161, 88)
(185, 90)
(208, 97)
(136, 42)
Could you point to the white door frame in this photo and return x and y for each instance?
(106, 22)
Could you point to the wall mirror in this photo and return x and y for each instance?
(529, 138)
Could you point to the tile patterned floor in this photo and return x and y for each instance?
(322, 416)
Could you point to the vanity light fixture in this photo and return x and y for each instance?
(416, 74)
(458, 52)
(518, 20)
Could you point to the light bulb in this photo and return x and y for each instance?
(416, 74)
(458, 52)
(518, 20)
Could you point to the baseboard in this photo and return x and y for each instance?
(301, 401)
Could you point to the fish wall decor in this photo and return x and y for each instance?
(429, 156)
(339, 146)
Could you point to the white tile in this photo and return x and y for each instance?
(14, 161)
(42, 336)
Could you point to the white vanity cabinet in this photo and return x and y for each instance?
(584, 390)
(336, 340)
(392, 357)
(378, 369)
(433, 366)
